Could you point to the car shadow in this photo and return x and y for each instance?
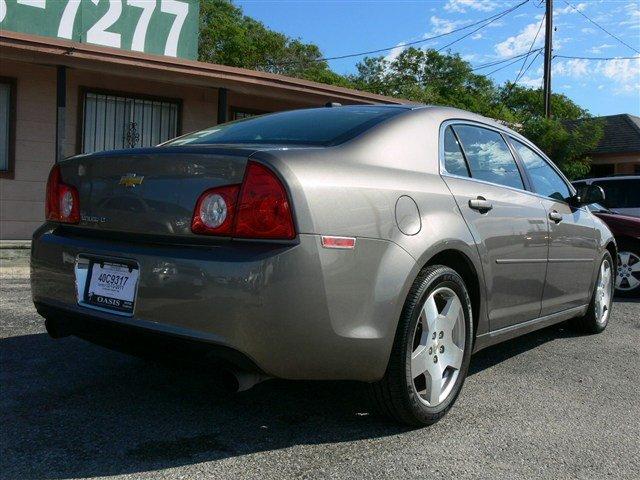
(70, 409)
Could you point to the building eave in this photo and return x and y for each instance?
(26, 47)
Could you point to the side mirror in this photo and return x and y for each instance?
(589, 194)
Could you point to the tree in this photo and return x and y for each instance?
(567, 144)
(428, 76)
(567, 138)
(228, 37)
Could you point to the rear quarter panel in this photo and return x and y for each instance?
(353, 190)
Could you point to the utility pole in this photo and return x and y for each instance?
(548, 42)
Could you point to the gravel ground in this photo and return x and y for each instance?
(548, 405)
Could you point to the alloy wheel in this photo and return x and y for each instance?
(628, 274)
(604, 292)
(437, 348)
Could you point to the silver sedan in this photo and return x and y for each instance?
(383, 244)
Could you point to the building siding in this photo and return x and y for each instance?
(22, 198)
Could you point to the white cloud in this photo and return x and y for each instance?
(395, 52)
(588, 30)
(443, 25)
(624, 73)
(574, 68)
(521, 42)
(462, 5)
(476, 36)
(632, 12)
(600, 48)
(530, 82)
(581, 7)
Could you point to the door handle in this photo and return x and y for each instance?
(555, 216)
(481, 204)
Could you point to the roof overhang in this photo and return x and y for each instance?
(50, 51)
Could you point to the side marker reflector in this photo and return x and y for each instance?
(347, 243)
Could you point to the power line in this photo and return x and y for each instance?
(498, 62)
(497, 17)
(505, 66)
(637, 57)
(602, 28)
(487, 20)
(513, 85)
(528, 66)
(521, 73)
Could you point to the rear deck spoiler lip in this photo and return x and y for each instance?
(196, 149)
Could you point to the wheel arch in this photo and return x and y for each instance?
(461, 263)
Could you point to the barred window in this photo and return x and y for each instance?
(115, 121)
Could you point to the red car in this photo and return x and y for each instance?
(626, 229)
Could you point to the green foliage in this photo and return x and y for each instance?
(428, 76)
(229, 37)
(566, 138)
(527, 102)
(566, 144)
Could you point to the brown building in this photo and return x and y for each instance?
(59, 98)
(618, 152)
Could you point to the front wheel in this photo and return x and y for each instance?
(431, 351)
(599, 310)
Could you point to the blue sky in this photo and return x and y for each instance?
(603, 87)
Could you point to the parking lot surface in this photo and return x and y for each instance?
(551, 404)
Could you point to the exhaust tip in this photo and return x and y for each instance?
(239, 381)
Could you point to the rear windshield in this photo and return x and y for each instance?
(314, 126)
(621, 193)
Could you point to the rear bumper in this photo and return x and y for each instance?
(141, 341)
(291, 311)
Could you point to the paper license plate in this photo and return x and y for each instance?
(112, 286)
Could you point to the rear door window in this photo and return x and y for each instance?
(544, 178)
(454, 162)
(488, 156)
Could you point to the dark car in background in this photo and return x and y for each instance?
(622, 193)
(626, 230)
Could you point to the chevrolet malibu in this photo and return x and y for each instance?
(383, 244)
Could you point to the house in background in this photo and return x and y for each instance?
(68, 87)
(618, 152)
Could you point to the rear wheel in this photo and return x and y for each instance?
(628, 270)
(599, 311)
(431, 351)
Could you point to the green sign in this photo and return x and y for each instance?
(164, 27)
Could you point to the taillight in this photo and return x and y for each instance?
(62, 203)
(214, 213)
(263, 208)
(259, 208)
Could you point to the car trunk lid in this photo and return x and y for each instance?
(150, 191)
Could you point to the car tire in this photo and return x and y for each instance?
(599, 310)
(628, 269)
(436, 320)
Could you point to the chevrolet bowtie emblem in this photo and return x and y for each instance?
(131, 180)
